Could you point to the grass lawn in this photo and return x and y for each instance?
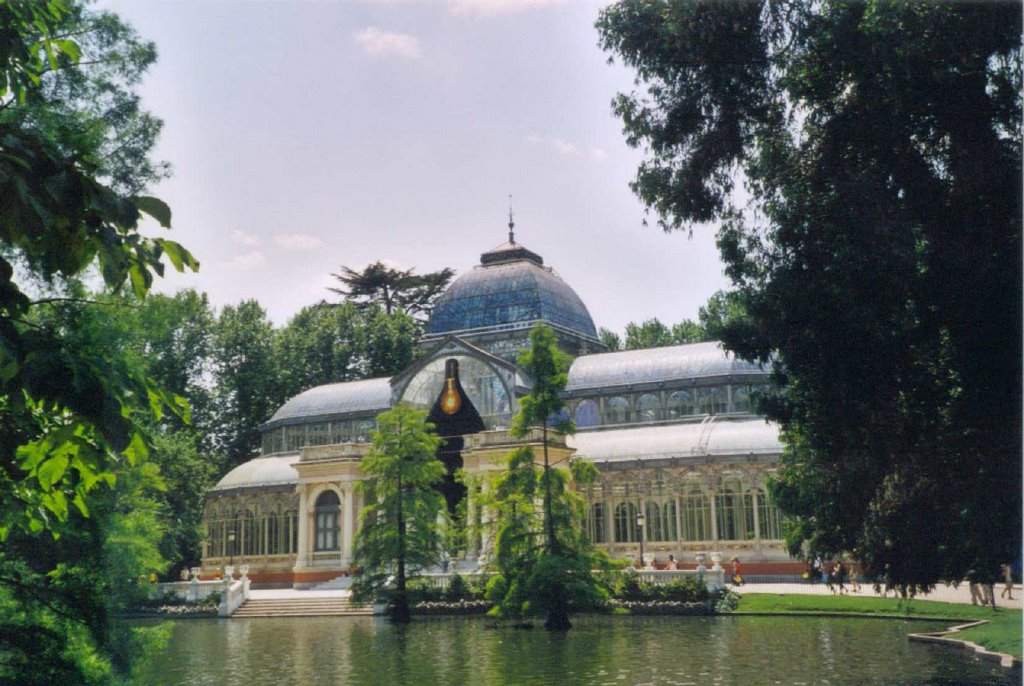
(1002, 633)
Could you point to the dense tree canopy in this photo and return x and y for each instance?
(400, 529)
(545, 559)
(393, 289)
(878, 254)
(77, 524)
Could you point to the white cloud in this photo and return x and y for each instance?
(379, 43)
(491, 8)
(297, 241)
(247, 261)
(249, 239)
(564, 147)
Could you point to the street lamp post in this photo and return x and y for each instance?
(640, 526)
(231, 547)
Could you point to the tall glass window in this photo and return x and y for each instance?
(735, 507)
(625, 523)
(327, 505)
(660, 520)
(695, 507)
(768, 517)
(596, 524)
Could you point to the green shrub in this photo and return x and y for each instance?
(496, 589)
(457, 589)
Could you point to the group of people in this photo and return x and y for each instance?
(984, 593)
(835, 573)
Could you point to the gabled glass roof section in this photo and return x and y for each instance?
(653, 365)
(511, 286)
(334, 399)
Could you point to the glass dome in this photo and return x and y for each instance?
(508, 293)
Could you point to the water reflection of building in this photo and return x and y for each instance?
(672, 431)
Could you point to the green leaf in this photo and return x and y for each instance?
(179, 256)
(137, 451)
(139, 285)
(69, 48)
(155, 208)
(52, 470)
(79, 502)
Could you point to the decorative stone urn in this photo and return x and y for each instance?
(229, 571)
(243, 570)
(716, 558)
(195, 573)
(701, 559)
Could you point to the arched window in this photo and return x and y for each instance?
(616, 410)
(648, 408)
(712, 400)
(587, 414)
(327, 505)
(596, 523)
(695, 507)
(625, 523)
(680, 404)
(768, 517)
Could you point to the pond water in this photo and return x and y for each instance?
(739, 651)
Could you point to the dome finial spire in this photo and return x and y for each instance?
(511, 223)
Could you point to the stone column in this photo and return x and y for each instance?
(302, 554)
(486, 534)
(609, 520)
(472, 549)
(348, 531)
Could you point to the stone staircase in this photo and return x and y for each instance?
(301, 607)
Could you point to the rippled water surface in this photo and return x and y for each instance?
(740, 651)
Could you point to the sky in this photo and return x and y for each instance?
(309, 135)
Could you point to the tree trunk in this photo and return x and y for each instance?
(558, 616)
(400, 613)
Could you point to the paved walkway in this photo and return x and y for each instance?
(943, 593)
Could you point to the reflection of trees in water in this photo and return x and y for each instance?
(366, 651)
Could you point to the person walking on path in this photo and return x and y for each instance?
(836, 576)
(854, 567)
(737, 577)
(1008, 579)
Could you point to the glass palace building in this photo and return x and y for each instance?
(671, 430)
